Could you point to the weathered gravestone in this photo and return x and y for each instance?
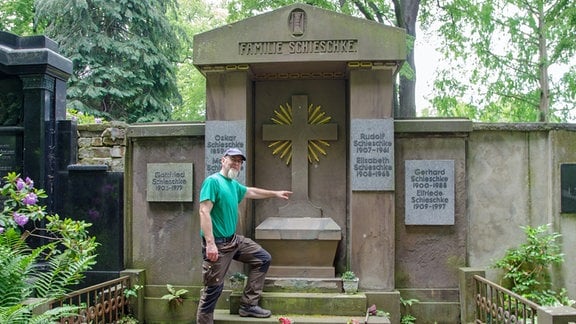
(297, 88)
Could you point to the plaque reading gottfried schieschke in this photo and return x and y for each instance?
(169, 182)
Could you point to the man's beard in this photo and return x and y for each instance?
(232, 173)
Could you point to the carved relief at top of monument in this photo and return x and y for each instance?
(299, 33)
(297, 22)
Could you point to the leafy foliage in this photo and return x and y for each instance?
(193, 17)
(123, 55)
(511, 57)
(527, 267)
(42, 272)
(348, 275)
(406, 317)
(174, 297)
(17, 17)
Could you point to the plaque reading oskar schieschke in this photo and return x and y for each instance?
(429, 192)
(220, 136)
(372, 154)
(169, 182)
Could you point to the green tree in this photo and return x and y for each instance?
(194, 16)
(512, 57)
(400, 13)
(17, 17)
(123, 54)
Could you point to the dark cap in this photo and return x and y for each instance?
(234, 152)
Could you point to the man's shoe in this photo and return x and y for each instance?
(254, 311)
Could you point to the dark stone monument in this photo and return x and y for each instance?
(38, 142)
(92, 194)
(33, 79)
(568, 187)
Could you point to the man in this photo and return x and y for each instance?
(219, 199)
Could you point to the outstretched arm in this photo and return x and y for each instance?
(259, 193)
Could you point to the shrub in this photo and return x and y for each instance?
(527, 267)
(42, 272)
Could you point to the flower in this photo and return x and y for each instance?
(93, 214)
(20, 219)
(284, 320)
(20, 184)
(1, 229)
(30, 182)
(30, 199)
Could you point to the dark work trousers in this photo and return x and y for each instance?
(241, 249)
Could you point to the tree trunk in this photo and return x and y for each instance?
(406, 18)
(543, 67)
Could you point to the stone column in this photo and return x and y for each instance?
(40, 144)
(371, 223)
(229, 97)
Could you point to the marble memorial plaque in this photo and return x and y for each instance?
(372, 154)
(429, 195)
(220, 136)
(169, 182)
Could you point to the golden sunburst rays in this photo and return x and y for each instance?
(316, 147)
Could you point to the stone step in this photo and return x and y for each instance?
(312, 285)
(222, 316)
(337, 304)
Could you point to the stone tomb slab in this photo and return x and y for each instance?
(286, 237)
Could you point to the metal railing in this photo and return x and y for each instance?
(102, 303)
(495, 304)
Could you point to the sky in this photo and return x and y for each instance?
(427, 60)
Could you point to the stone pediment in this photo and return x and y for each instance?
(300, 33)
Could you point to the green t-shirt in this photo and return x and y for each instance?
(225, 195)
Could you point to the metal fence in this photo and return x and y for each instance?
(102, 303)
(495, 304)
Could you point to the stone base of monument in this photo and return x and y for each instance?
(301, 247)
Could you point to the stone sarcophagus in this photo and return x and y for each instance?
(301, 247)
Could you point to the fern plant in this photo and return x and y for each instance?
(38, 273)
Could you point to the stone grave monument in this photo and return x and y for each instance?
(307, 94)
(37, 141)
(35, 138)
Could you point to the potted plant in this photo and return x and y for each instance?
(349, 282)
(237, 281)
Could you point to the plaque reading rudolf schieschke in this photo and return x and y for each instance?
(372, 154)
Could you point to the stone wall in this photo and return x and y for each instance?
(102, 144)
(512, 179)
